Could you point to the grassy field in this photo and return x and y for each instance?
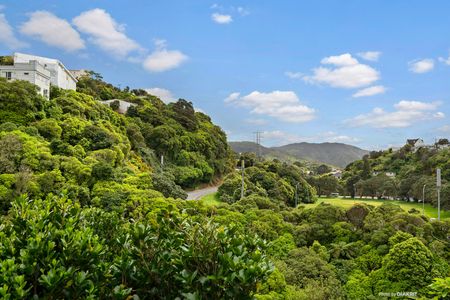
(430, 211)
(211, 199)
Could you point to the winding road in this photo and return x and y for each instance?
(198, 194)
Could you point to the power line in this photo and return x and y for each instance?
(258, 137)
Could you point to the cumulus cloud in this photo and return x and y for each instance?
(7, 36)
(105, 32)
(345, 72)
(370, 55)
(282, 105)
(370, 91)
(406, 113)
(421, 66)
(162, 59)
(163, 94)
(281, 137)
(53, 31)
(221, 19)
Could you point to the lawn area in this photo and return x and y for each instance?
(430, 211)
(211, 199)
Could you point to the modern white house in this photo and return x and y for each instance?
(60, 76)
(31, 71)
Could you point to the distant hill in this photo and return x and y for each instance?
(336, 154)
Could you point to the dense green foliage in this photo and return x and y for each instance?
(272, 181)
(409, 170)
(77, 145)
(88, 212)
(55, 249)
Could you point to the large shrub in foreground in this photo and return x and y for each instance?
(55, 249)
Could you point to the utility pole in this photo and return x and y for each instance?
(258, 142)
(242, 184)
(438, 186)
(423, 199)
(296, 195)
(162, 161)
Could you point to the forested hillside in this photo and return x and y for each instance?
(401, 174)
(88, 212)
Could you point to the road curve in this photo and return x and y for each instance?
(198, 194)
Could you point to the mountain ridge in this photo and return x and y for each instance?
(336, 154)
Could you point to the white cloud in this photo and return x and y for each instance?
(370, 91)
(221, 19)
(340, 60)
(281, 137)
(163, 94)
(293, 75)
(232, 97)
(370, 55)
(421, 66)
(417, 105)
(53, 31)
(406, 114)
(105, 32)
(7, 35)
(162, 59)
(445, 60)
(346, 73)
(283, 105)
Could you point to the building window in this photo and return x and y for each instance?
(46, 93)
(26, 73)
(8, 75)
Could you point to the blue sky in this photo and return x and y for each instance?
(367, 73)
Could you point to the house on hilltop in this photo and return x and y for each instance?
(415, 143)
(60, 76)
(31, 71)
(41, 71)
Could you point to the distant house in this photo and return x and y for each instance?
(336, 173)
(123, 105)
(415, 143)
(442, 144)
(31, 71)
(390, 174)
(60, 76)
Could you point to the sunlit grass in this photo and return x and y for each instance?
(211, 199)
(430, 211)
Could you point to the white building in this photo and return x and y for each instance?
(60, 76)
(123, 105)
(31, 71)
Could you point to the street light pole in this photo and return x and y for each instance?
(423, 199)
(242, 183)
(438, 185)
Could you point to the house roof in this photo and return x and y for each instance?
(22, 57)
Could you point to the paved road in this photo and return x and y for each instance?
(197, 194)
